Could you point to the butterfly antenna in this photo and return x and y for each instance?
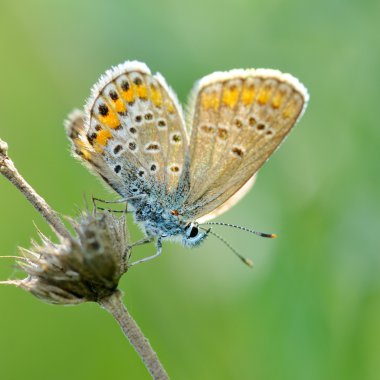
(262, 234)
(246, 261)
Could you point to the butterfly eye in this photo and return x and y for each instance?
(193, 232)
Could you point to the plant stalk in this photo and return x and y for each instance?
(115, 306)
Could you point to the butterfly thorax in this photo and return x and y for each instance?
(158, 221)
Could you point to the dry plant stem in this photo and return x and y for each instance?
(9, 171)
(114, 305)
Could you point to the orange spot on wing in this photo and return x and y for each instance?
(248, 95)
(230, 96)
(83, 148)
(111, 120)
(264, 94)
(86, 154)
(169, 106)
(103, 137)
(119, 105)
(278, 100)
(156, 96)
(210, 101)
(129, 95)
(141, 91)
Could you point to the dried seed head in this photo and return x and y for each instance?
(86, 267)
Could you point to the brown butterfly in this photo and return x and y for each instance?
(177, 174)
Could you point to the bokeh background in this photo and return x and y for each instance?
(310, 308)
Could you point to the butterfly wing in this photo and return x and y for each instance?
(238, 120)
(232, 201)
(132, 132)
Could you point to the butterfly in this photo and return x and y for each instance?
(176, 172)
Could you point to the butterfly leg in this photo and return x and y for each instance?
(114, 211)
(158, 253)
(145, 240)
(127, 253)
(123, 200)
(94, 200)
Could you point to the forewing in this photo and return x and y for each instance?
(238, 119)
(133, 132)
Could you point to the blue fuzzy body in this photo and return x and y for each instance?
(159, 222)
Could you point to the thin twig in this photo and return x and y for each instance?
(9, 171)
(114, 305)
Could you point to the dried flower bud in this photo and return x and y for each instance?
(83, 268)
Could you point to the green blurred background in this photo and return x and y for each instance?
(310, 308)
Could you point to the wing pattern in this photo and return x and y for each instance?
(238, 119)
(133, 132)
